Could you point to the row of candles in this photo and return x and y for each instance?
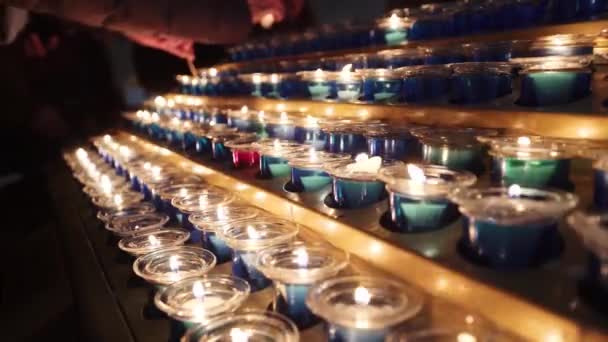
(263, 250)
(457, 18)
(552, 70)
(512, 226)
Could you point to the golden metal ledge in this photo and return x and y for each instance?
(590, 125)
(509, 312)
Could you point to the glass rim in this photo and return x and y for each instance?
(105, 214)
(590, 228)
(165, 298)
(320, 296)
(181, 236)
(483, 67)
(238, 234)
(186, 204)
(278, 262)
(207, 220)
(161, 220)
(304, 160)
(338, 170)
(534, 148)
(139, 265)
(379, 73)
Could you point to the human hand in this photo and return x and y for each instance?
(180, 47)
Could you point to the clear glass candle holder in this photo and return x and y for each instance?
(273, 157)
(127, 225)
(555, 69)
(307, 173)
(246, 326)
(515, 227)
(220, 151)
(381, 85)
(166, 266)
(198, 300)
(425, 83)
(244, 120)
(418, 195)
(294, 268)
(593, 230)
(309, 132)
(248, 238)
(117, 201)
(210, 220)
(455, 148)
(477, 82)
(534, 162)
(197, 202)
(354, 188)
(149, 241)
(105, 215)
(165, 194)
(363, 309)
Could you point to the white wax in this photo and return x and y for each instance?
(371, 165)
(202, 304)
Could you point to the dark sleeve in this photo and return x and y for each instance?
(205, 21)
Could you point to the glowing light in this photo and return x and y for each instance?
(416, 173)
(469, 319)
(283, 118)
(394, 21)
(81, 153)
(241, 186)
(174, 263)
(160, 101)
(361, 157)
(183, 192)
(524, 141)
(362, 296)
(107, 138)
(346, 73)
(156, 170)
(198, 290)
(301, 257)
(252, 233)
(312, 121)
(239, 335)
(319, 75)
(514, 190)
(553, 336)
(153, 241)
(261, 115)
(244, 110)
(213, 72)
(256, 78)
(465, 337)
(118, 200)
(274, 78)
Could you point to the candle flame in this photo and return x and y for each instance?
(222, 213)
(154, 117)
(183, 192)
(256, 78)
(524, 141)
(106, 185)
(274, 78)
(514, 190)
(261, 115)
(465, 337)
(362, 296)
(244, 110)
(394, 21)
(202, 201)
(301, 257)
(156, 171)
(147, 166)
(107, 138)
(416, 173)
(283, 118)
(319, 74)
(153, 241)
(81, 153)
(276, 145)
(239, 335)
(312, 121)
(361, 157)
(174, 263)
(213, 72)
(198, 290)
(118, 200)
(253, 234)
(124, 151)
(160, 101)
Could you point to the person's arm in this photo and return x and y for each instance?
(205, 21)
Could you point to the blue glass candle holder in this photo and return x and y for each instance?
(354, 188)
(429, 26)
(148, 242)
(489, 52)
(281, 126)
(512, 227)
(198, 300)
(425, 83)
(381, 85)
(593, 230)
(309, 132)
(391, 142)
(287, 86)
(245, 120)
(418, 196)
(456, 148)
(250, 325)
(307, 173)
(363, 309)
(344, 139)
(273, 157)
(210, 220)
(397, 58)
(321, 85)
(480, 82)
(555, 69)
(294, 268)
(531, 162)
(248, 238)
(348, 86)
(396, 29)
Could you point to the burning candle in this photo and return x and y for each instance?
(149, 241)
(348, 84)
(356, 185)
(307, 173)
(273, 157)
(396, 29)
(534, 162)
(199, 201)
(294, 269)
(246, 327)
(381, 85)
(309, 132)
(128, 225)
(321, 84)
(248, 238)
(418, 195)
(196, 301)
(138, 208)
(211, 220)
(363, 309)
(512, 227)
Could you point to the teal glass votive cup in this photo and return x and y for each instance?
(514, 227)
(307, 173)
(418, 196)
(395, 29)
(534, 162)
(355, 184)
(294, 268)
(455, 148)
(477, 82)
(321, 85)
(381, 85)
